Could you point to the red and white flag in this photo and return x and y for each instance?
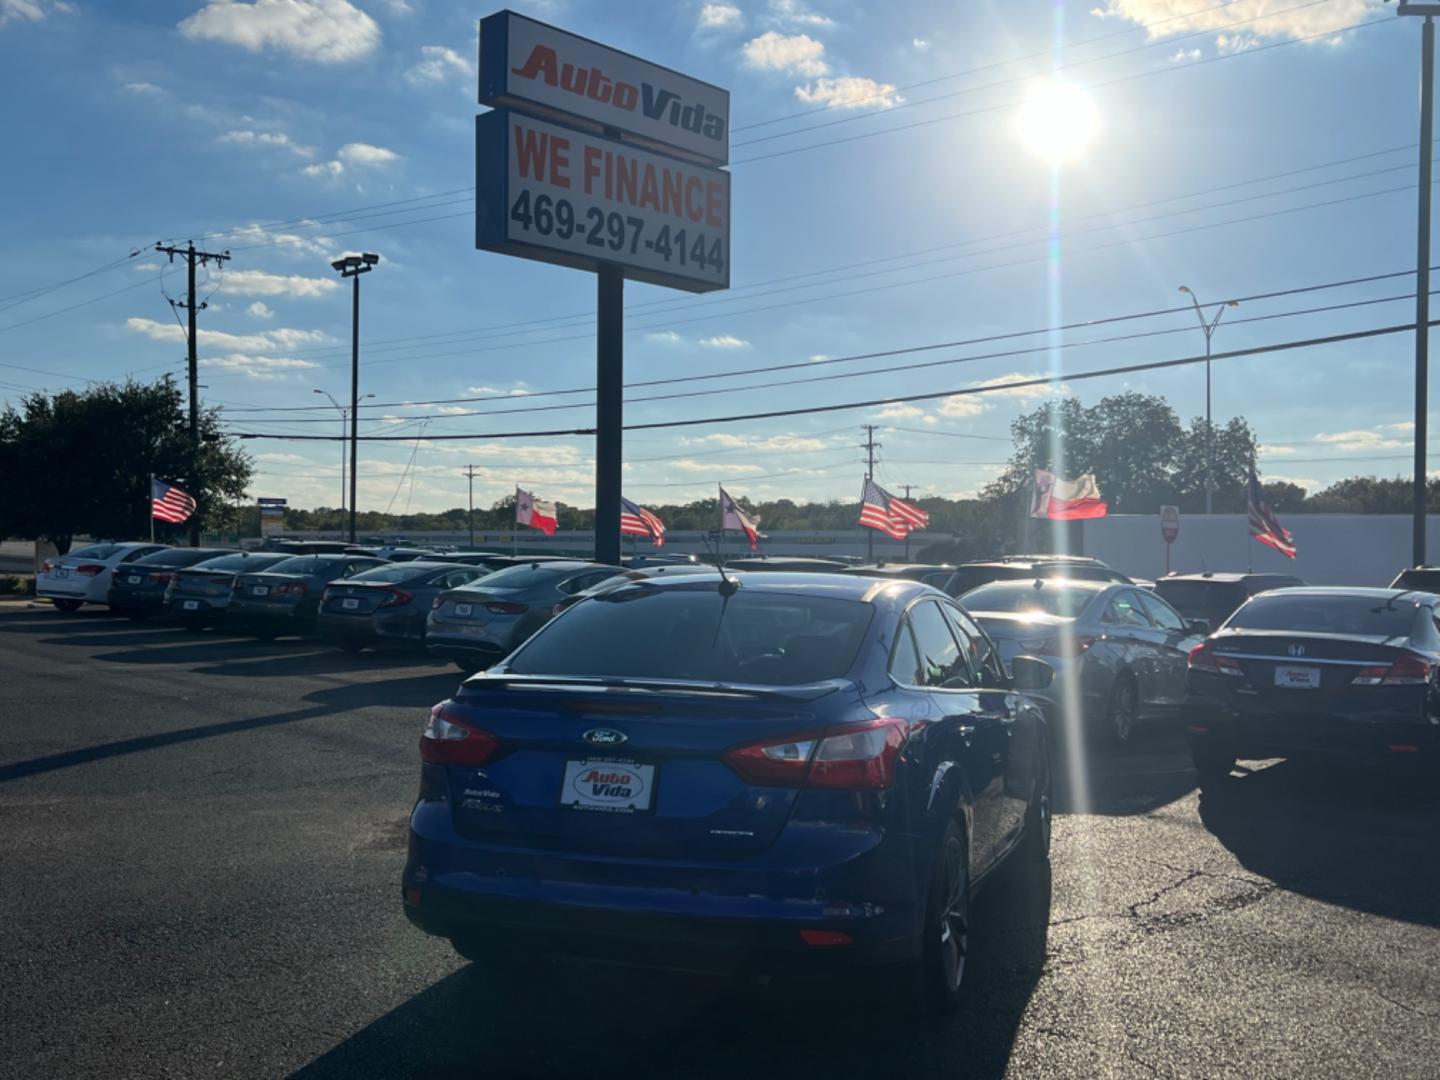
(732, 517)
(169, 503)
(890, 514)
(535, 513)
(1066, 500)
(635, 520)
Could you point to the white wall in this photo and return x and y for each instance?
(1332, 549)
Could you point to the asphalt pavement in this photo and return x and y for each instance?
(201, 838)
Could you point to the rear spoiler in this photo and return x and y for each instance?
(605, 684)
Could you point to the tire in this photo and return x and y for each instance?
(1039, 816)
(67, 605)
(1212, 761)
(1122, 715)
(939, 978)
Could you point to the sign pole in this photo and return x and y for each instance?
(151, 505)
(609, 409)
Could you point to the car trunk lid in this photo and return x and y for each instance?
(1307, 670)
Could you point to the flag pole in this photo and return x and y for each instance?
(152, 507)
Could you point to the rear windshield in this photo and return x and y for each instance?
(1326, 615)
(1425, 580)
(179, 557)
(395, 573)
(240, 561)
(522, 577)
(1049, 599)
(95, 551)
(308, 564)
(1198, 595)
(692, 632)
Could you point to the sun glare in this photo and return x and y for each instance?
(1058, 121)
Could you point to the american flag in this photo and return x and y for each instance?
(635, 520)
(169, 503)
(893, 516)
(1264, 525)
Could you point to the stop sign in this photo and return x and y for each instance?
(1169, 523)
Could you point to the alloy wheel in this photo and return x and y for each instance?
(955, 915)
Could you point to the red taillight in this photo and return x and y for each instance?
(858, 757)
(46, 566)
(506, 607)
(162, 576)
(396, 598)
(448, 740)
(1204, 658)
(825, 938)
(291, 588)
(90, 569)
(1407, 670)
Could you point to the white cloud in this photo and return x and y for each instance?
(1039, 390)
(327, 170)
(849, 92)
(1234, 43)
(962, 405)
(719, 16)
(769, 443)
(920, 44)
(1169, 17)
(146, 267)
(264, 341)
(268, 139)
(326, 31)
(795, 13)
(725, 341)
(1403, 425)
(664, 337)
(363, 154)
(1274, 451)
(1184, 55)
(32, 10)
(797, 54)
(729, 468)
(816, 358)
(256, 367)
(562, 454)
(145, 89)
(258, 310)
(900, 410)
(259, 283)
(439, 64)
(253, 235)
(1361, 439)
(275, 457)
(513, 391)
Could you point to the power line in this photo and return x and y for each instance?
(1018, 384)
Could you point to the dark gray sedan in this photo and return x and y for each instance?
(1119, 652)
(286, 598)
(201, 593)
(389, 604)
(490, 617)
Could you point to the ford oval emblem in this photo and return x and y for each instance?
(602, 736)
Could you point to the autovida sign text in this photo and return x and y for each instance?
(555, 193)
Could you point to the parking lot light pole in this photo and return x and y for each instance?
(1208, 329)
(344, 430)
(352, 266)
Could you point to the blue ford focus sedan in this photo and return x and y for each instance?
(763, 772)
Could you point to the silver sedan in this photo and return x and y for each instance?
(1119, 652)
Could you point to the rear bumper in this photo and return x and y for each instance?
(741, 916)
(464, 649)
(63, 589)
(273, 615)
(1268, 733)
(127, 600)
(402, 629)
(212, 608)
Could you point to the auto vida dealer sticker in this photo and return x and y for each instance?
(620, 787)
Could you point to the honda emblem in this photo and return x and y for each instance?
(1297, 650)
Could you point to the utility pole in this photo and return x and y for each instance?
(193, 308)
(470, 474)
(870, 446)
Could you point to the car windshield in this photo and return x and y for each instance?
(95, 551)
(394, 573)
(1367, 616)
(691, 631)
(1046, 599)
(305, 564)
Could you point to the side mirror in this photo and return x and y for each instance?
(1200, 627)
(1028, 673)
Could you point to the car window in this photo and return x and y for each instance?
(1050, 598)
(456, 578)
(95, 551)
(942, 665)
(979, 649)
(140, 553)
(904, 660)
(581, 582)
(238, 561)
(1161, 613)
(1124, 610)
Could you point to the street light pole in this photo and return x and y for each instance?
(352, 266)
(1208, 329)
(344, 431)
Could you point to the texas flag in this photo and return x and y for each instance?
(535, 513)
(732, 517)
(1066, 500)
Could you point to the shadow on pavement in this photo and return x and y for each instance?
(1151, 771)
(1362, 839)
(566, 1018)
(417, 693)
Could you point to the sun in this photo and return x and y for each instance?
(1058, 121)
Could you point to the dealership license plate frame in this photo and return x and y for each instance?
(571, 798)
(1297, 677)
(350, 603)
(190, 605)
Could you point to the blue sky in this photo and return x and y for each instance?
(1228, 155)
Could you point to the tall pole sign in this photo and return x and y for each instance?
(598, 160)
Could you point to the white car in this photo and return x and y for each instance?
(83, 576)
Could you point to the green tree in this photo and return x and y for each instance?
(79, 462)
(1234, 452)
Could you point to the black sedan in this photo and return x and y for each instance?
(138, 590)
(388, 605)
(286, 598)
(1349, 674)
